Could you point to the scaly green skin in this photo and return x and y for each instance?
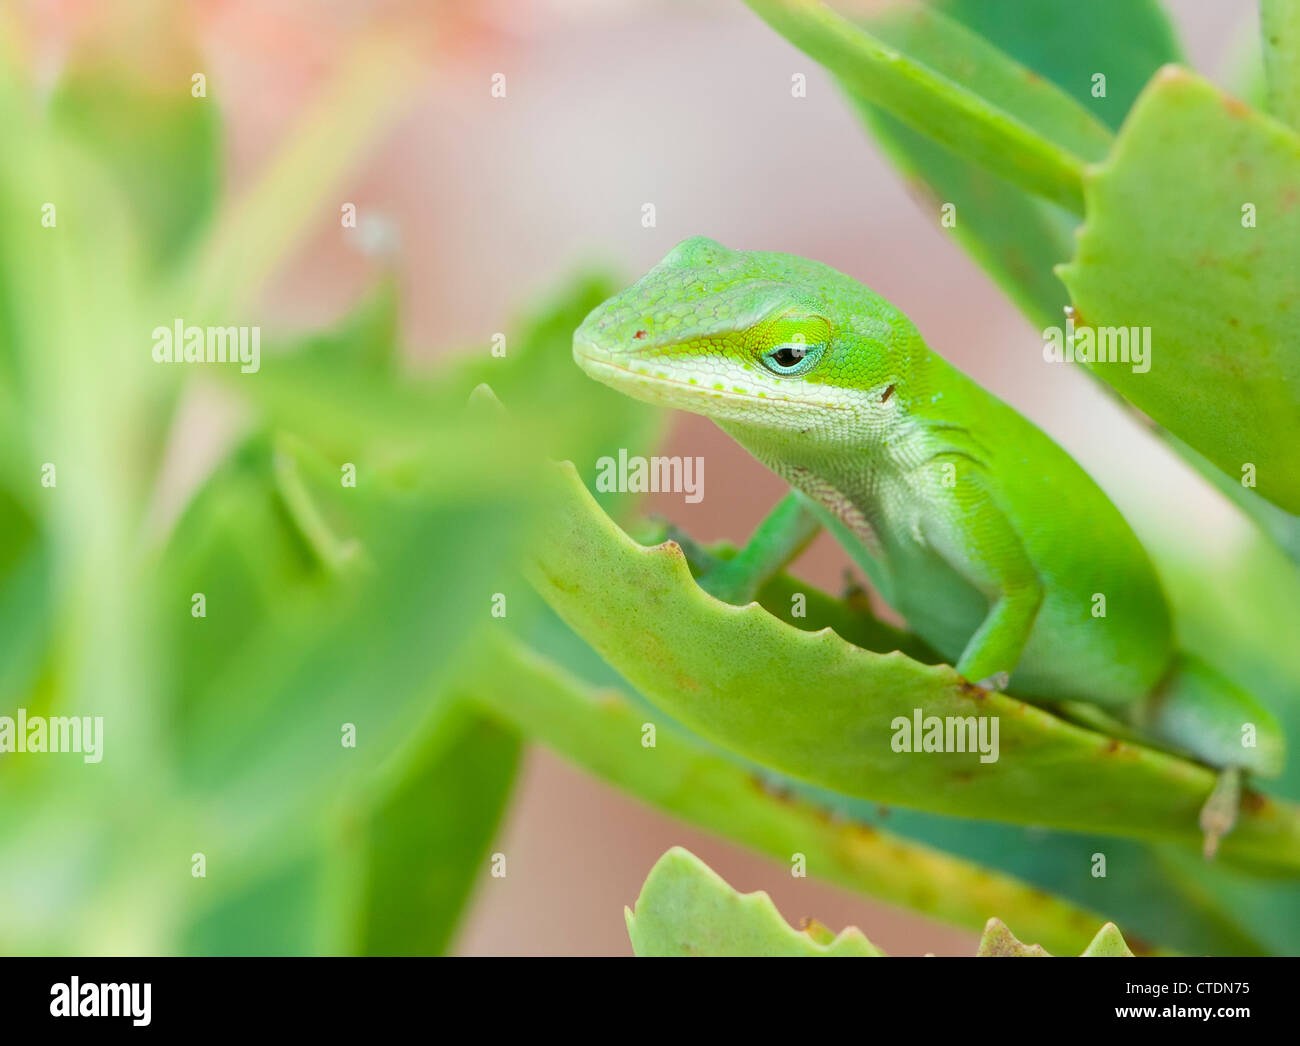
(988, 538)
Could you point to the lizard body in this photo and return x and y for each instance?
(994, 545)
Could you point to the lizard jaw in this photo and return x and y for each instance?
(636, 379)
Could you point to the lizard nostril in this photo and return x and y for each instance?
(639, 335)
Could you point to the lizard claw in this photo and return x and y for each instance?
(1219, 813)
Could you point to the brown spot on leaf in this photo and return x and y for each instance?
(610, 700)
(1235, 106)
(772, 789)
(1253, 802)
(1139, 945)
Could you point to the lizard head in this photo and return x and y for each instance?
(768, 341)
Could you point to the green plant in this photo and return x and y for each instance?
(686, 909)
(328, 606)
(994, 121)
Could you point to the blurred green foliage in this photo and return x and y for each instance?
(335, 611)
(295, 741)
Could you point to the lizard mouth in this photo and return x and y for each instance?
(642, 383)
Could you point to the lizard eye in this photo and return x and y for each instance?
(792, 358)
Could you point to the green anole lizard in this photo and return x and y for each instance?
(993, 544)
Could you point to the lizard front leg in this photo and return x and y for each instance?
(779, 538)
(993, 652)
(971, 533)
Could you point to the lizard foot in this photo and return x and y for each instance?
(997, 681)
(853, 594)
(1219, 813)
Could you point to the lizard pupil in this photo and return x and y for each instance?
(794, 357)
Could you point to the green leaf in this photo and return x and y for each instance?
(274, 911)
(366, 341)
(329, 605)
(297, 662)
(1018, 239)
(601, 731)
(1108, 944)
(537, 374)
(686, 909)
(387, 871)
(972, 97)
(427, 841)
(1164, 247)
(161, 144)
(1138, 890)
(24, 600)
(814, 707)
(999, 942)
(1279, 22)
(1068, 44)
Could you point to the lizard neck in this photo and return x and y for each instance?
(859, 463)
(850, 477)
(876, 440)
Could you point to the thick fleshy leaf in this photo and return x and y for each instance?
(1014, 122)
(389, 871)
(537, 374)
(601, 731)
(823, 711)
(427, 840)
(1193, 232)
(262, 541)
(129, 101)
(999, 942)
(1108, 944)
(687, 909)
(1238, 612)
(274, 911)
(1125, 40)
(1280, 28)
(1018, 239)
